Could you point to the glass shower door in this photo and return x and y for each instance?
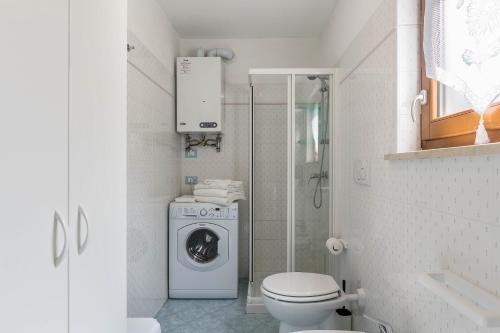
(311, 225)
(290, 215)
(270, 176)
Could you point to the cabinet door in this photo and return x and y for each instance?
(33, 165)
(98, 166)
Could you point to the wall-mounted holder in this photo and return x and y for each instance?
(357, 300)
(336, 245)
(202, 141)
(473, 302)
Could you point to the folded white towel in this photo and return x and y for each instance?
(211, 193)
(218, 200)
(237, 196)
(214, 200)
(227, 182)
(229, 188)
(185, 198)
(211, 186)
(232, 186)
(218, 181)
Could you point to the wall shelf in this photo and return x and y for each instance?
(473, 302)
(474, 150)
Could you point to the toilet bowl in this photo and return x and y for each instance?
(303, 301)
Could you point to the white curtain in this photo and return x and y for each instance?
(462, 50)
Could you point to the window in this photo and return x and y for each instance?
(448, 120)
(312, 134)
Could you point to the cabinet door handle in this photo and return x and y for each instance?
(83, 230)
(58, 255)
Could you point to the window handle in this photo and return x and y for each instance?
(422, 99)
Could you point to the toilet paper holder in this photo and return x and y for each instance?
(336, 245)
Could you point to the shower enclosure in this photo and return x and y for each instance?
(290, 212)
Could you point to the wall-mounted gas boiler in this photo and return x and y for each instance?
(200, 95)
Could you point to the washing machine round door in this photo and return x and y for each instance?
(203, 246)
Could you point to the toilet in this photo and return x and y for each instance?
(303, 301)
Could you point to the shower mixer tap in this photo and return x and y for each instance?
(322, 175)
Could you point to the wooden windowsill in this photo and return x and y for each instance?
(488, 149)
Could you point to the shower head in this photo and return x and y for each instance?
(314, 77)
(323, 79)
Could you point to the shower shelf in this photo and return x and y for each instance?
(473, 302)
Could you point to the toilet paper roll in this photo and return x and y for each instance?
(335, 246)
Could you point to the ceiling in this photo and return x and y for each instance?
(248, 18)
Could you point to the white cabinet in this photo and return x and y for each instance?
(97, 164)
(63, 158)
(33, 165)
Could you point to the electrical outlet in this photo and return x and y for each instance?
(191, 153)
(191, 180)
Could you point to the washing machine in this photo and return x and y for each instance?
(203, 250)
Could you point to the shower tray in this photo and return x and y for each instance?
(254, 298)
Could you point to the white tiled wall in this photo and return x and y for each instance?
(153, 177)
(417, 216)
(230, 163)
(233, 161)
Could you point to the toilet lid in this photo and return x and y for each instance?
(296, 284)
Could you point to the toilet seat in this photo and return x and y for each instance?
(292, 299)
(297, 287)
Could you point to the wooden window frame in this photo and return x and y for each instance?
(458, 129)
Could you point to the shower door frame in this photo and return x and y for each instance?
(291, 74)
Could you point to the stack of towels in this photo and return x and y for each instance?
(219, 191)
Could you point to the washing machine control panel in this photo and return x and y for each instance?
(204, 211)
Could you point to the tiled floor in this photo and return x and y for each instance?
(214, 316)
